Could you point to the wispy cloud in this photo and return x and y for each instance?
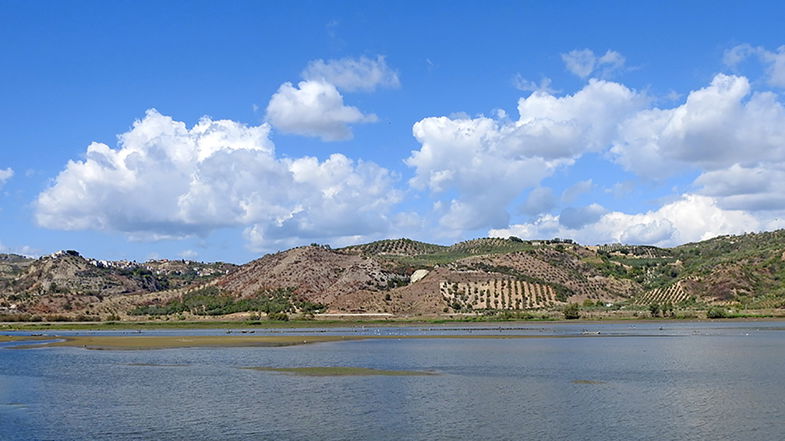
(5, 175)
(584, 63)
(773, 61)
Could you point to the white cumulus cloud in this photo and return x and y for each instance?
(314, 108)
(690, 218)
(353, 74)
(167, 180)
(755, 188)
(718, 126)
(488, 162)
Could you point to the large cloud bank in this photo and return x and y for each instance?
(728, 134)
(167, 180)
(490, 161)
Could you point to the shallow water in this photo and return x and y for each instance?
(698, 381)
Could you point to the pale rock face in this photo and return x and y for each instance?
(418, 275)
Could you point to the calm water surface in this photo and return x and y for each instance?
(671, 381)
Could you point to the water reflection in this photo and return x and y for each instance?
(714, 381)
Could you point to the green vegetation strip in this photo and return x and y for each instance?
(509, 317)
(339, 371)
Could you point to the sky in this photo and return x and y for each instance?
(227, 130)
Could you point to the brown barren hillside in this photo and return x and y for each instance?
(313, 273)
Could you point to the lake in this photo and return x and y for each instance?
(632, 381)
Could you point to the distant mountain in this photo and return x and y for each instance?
(406, 277)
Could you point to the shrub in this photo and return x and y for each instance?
(87, 318)
(572, 311)
(278, 316)
(58, 318)
(716, 313)
(20, 318)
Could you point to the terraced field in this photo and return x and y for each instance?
(673, 294)
(563, 271)
(488, 245)
(395, 247)
(498, 294)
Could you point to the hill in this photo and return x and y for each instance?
(407, 277)
(397, 247)
(65, 281)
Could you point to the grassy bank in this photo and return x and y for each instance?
(504, 317)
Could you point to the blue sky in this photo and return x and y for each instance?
(278, 124)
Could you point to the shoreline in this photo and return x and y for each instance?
(311, 324)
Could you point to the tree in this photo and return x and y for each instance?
(654, 309)
(667, 309)
(716, 312)
(572, 311)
